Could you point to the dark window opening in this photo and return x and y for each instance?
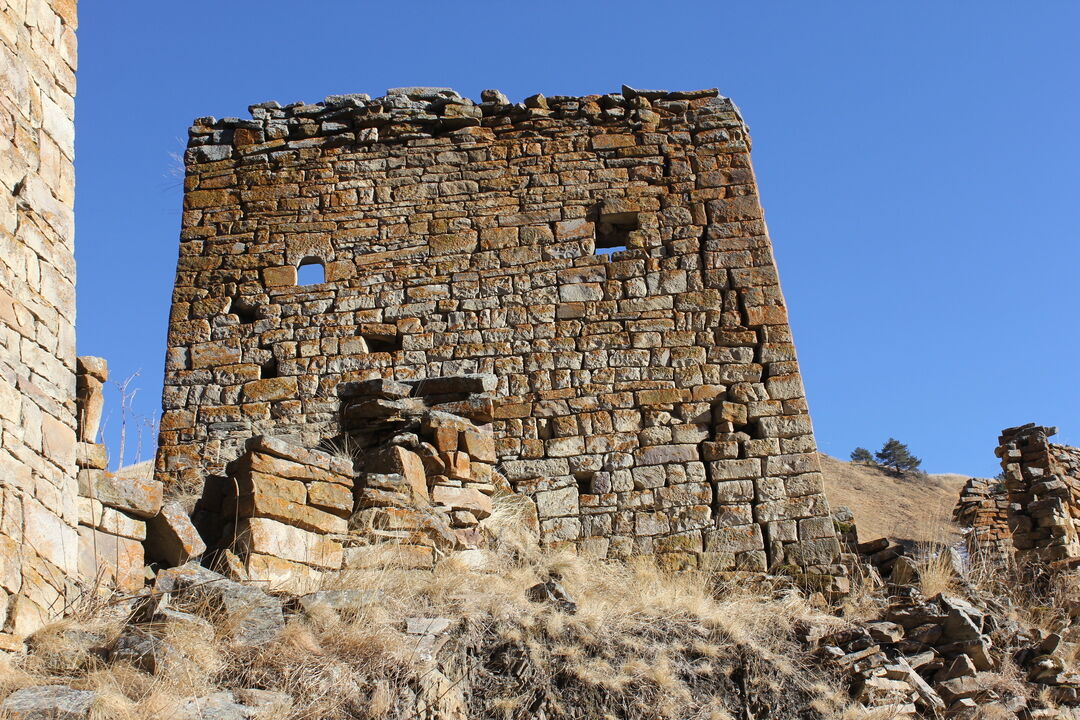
(245, 312)
(613, 232)
(310, 272)
(382, 343)
(268, 369)
(584, 482)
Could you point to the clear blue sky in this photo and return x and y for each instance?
(919, 164)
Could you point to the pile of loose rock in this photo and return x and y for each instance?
(193, 600)
(412, 475)
(1042, 481)
(279, 514)
(931, 656)
(427, 476)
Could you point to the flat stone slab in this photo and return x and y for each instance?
(48, 702)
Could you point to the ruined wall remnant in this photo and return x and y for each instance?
(117, 512)
(38, 514)
(1042, 480)
(281, 511)
(604, 257)
(983, 507)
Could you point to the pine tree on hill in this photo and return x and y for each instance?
(896, 455)
(862, 455)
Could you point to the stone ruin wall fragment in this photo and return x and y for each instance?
(983, 508)
(1042, 486)
(38, 514)
(604, 257)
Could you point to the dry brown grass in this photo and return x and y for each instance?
(650, 643)
(909, 508)
(644, 643)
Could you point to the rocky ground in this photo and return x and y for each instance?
(517, 632)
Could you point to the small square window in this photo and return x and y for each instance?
(310, 272)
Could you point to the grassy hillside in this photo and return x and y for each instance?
(911, 508)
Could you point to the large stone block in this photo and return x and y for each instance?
(171, 537)
(263, 536)
(557, 503)
(132, 494)
(467, 499)
(396, 460)
(110, 559)
(49, 702)
(278, 575)
(736, 539)
(271, 484)
(109, 520)
(268, 505)
(46, 533)
(331, 497)
(275, 447)
(270, 389)
(91, 402)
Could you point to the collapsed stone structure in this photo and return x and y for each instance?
(1043, 481)
(38, 513)
(604, 258)
(1029, 515)
(573, 299)
(983, 507)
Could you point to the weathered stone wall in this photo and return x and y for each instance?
(1043, 484)
(604, 256)
(38, 513)
(983, 508)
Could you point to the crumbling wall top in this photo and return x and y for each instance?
(415, 113)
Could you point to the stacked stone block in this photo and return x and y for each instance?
(426, 453)
(1043, 482)
(38, 514)
(605, 257)
(983, 508)
(113, 509)
(283, 510)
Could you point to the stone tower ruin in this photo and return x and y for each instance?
(587, 279)
(38, 516)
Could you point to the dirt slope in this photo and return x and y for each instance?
(911, 508)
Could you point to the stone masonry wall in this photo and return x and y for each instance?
(604, 256)
(1042, 480)
(983, 508)
(38, 512)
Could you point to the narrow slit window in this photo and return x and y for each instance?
(310, 272)
(608, 249)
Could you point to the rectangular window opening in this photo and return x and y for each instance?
(613, 233)
(382, 343)
(310, 272)
(268, 369)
